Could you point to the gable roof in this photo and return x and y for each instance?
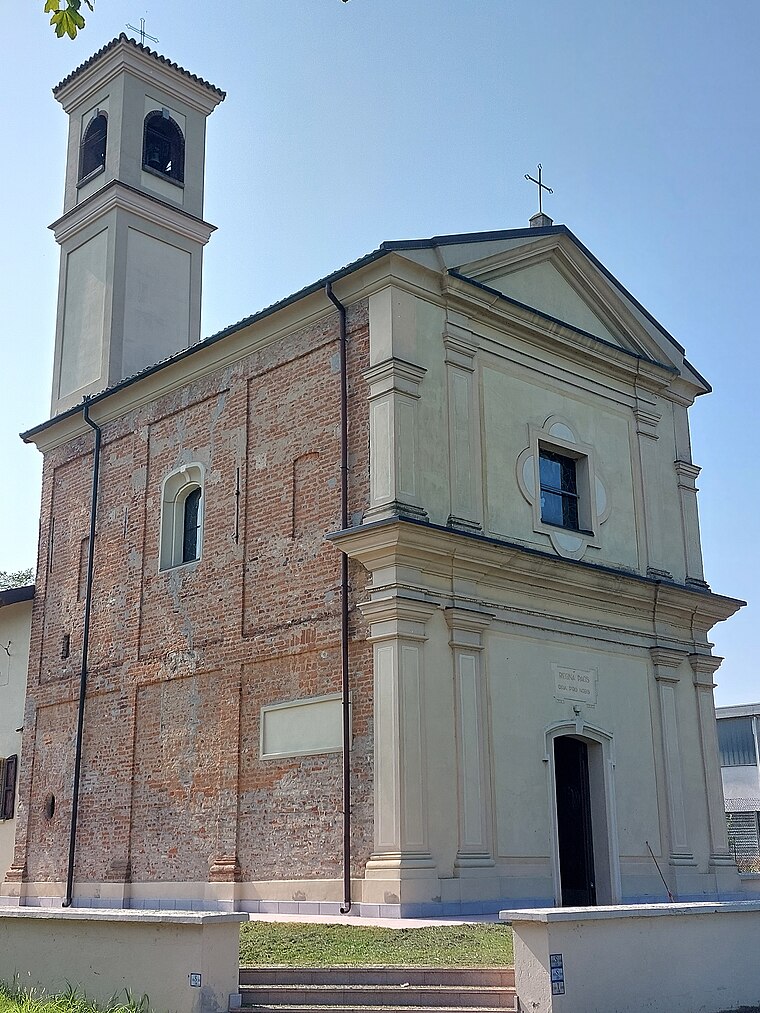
(506, 238)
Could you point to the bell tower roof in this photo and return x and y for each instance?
(74, 87)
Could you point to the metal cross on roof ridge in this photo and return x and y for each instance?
(541, 186)
(143, 34)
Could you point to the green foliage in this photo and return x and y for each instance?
(65, 16)
(16, 578)
(16, 998)
(296, 944)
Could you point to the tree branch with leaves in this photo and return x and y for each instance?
(66, 17)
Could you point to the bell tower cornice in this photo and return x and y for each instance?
(117, 195)
(124, 54)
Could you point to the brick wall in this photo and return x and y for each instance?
(182, 661)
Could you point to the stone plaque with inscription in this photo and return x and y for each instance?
(575, 684)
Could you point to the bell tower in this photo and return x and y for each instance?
(132, 231)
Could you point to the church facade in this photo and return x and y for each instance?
(388, 598)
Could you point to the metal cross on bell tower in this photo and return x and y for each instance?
(541, 186)
(142, 33)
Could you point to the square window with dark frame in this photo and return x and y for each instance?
(559, 489)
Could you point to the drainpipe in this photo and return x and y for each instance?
(85, 645)
(346, 702)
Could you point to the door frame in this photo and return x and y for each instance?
(601, 763)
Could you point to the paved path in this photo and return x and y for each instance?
(389, 923)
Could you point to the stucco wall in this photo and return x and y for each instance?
(15, 623)
(110, 954)
(661, 958)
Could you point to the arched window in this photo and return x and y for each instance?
(163, 146)
(191, 525)
(182, 517)
(92, 153)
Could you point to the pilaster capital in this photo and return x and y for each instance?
(647, 420)
(461, 346)
(467, 626)
(704, 666)
(687, 474)
(396, 376)
(666, 663)
(397, 617)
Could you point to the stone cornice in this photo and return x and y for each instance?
(638, 603)
(116, 195)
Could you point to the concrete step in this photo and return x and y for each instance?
(483, 977)
(395, 996)
(312, 1008)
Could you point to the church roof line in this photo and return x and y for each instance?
(124, 38)
(389, 246)
(546, 230)
(14, 595)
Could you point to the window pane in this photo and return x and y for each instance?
(559, 501)
(551, 471)
(552, 510)
(736, 742)
(190, 526)
(570, 512)
(568, 474)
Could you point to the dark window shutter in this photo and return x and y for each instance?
(9, 787)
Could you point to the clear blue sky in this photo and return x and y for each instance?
(348, 124)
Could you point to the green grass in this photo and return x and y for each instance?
(17, 999)
(296, 944)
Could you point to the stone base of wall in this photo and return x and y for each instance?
(445, 897)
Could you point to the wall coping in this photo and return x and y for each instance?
(129, 915)
(613, 911)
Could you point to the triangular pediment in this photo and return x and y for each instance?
(553, 276)
(542, 286)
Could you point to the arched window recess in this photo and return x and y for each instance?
(92, 151)
(182, 517)
(164, 147)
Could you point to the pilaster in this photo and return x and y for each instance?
(474, 852)
(647, 420)
(703, 667)
(666, 664)
(393, 439)
(687, 490)
(401, 850)
(465, 467)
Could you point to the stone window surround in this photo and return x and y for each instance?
(175, 489)
(558, 436)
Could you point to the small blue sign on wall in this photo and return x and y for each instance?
(557, 972)
(195, 980)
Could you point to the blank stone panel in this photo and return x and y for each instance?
(83, 314)
(157, 304)
(301, 727)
